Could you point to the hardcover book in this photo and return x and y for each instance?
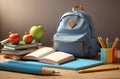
(21, 45)
(17, 52)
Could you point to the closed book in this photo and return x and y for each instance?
(17, 52)
(21, 45)
(76, 64)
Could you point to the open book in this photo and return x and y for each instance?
(50, 56)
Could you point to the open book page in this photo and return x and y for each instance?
(41, 52)
(57, 58)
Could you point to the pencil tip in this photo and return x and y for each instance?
(56, 72)
(118, 68)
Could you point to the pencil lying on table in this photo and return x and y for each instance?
(99, 69)
(26, 69)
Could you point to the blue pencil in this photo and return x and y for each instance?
(26, 69)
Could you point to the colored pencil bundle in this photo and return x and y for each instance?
(107, 43)
(108, 53)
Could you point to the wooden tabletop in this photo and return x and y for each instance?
(65, 74)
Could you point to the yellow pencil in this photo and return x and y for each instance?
(107, 42)
(115, 43)
(98, 69)
(101, 42)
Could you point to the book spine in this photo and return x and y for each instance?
(27, 46)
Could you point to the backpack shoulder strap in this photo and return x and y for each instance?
(90, 22)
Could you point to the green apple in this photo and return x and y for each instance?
(37, 32)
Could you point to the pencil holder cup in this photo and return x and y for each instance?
(108, 55)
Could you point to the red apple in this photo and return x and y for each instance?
(27, 38)
(14, 38)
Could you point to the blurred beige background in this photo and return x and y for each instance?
(20, 15)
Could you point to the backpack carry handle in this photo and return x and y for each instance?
(78, 7)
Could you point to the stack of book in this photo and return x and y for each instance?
(19, 49)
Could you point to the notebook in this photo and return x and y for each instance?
(73, 65)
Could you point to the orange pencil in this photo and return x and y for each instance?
(101, 42)
(115, 43)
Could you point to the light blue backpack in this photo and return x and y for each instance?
(75, 34)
